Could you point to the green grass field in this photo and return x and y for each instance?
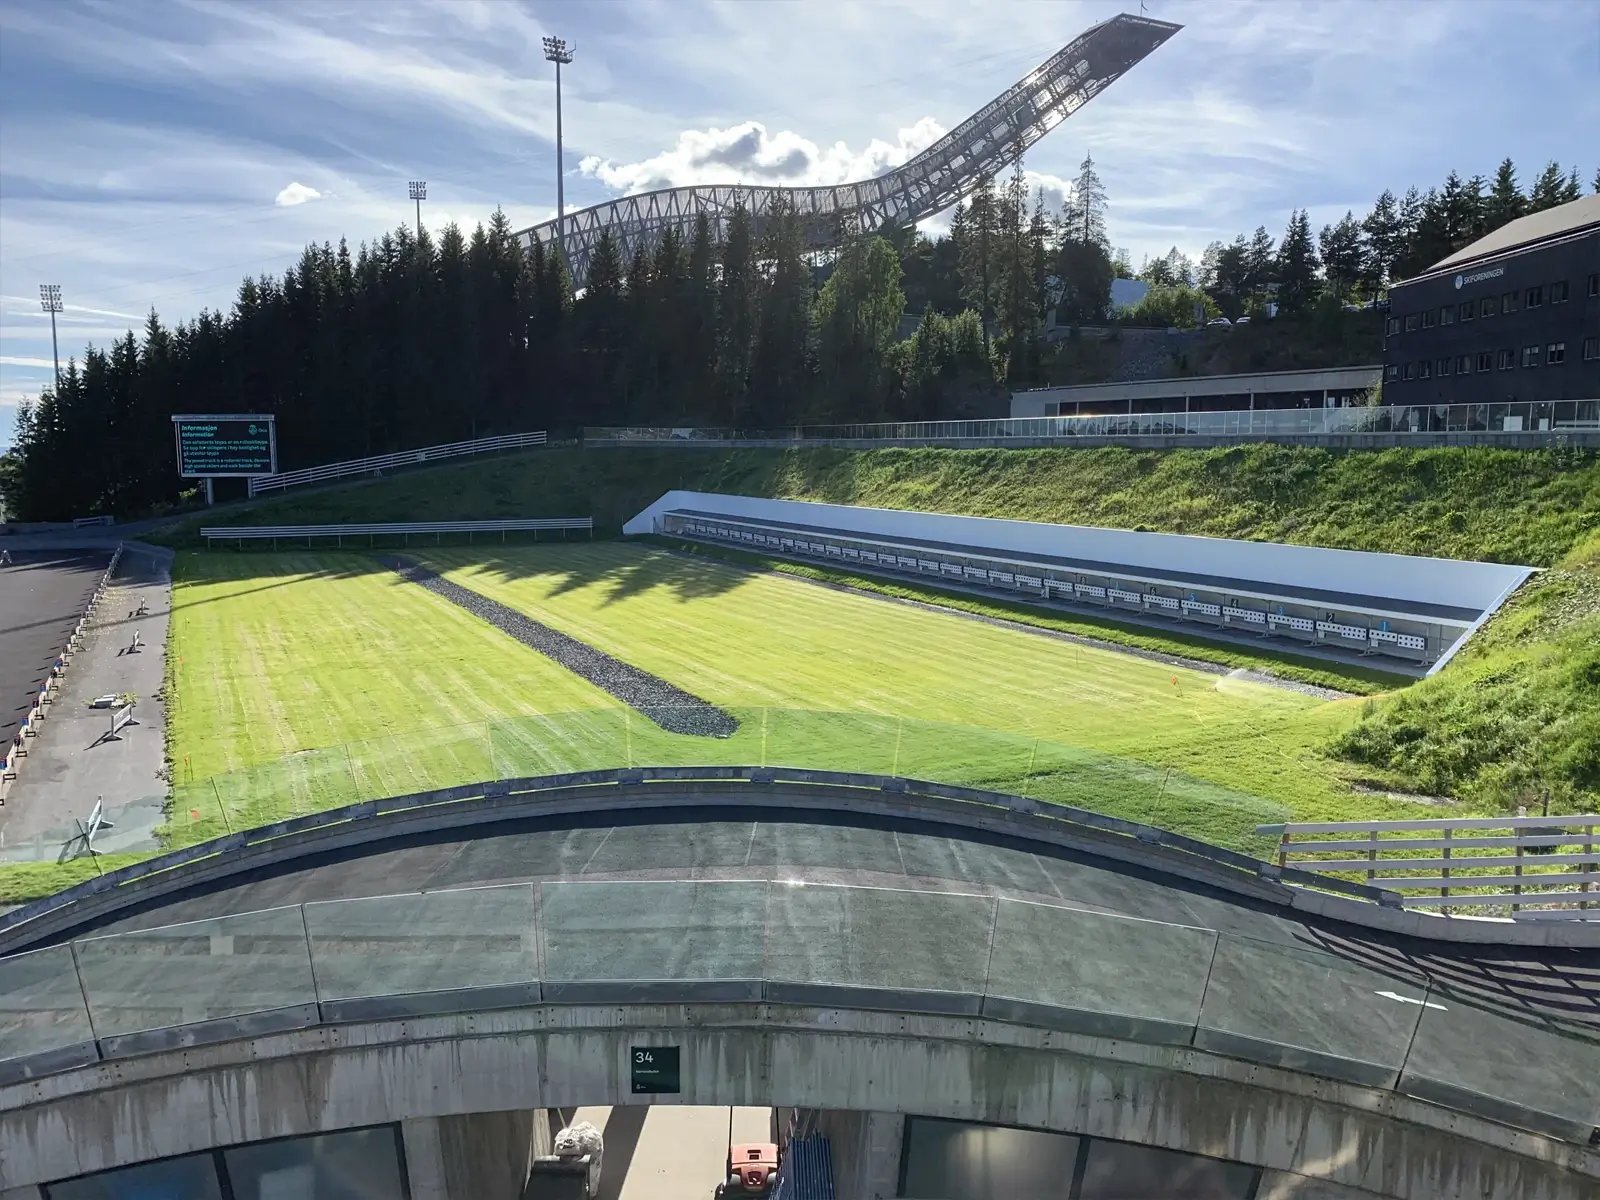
(300, 681)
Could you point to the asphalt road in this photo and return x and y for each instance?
(42, 595)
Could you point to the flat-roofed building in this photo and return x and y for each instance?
(1331, 387)
(1515, 316)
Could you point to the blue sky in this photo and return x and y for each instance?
(153, 153)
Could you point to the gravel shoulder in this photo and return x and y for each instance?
(668, 706)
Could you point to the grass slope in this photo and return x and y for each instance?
(1516, 718)
(273, 659)
(1459, 502)
(1463, 502)
(1357, 679)
(745, 640)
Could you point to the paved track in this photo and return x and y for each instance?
(42, 595)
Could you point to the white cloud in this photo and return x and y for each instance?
(296, 193)
(747, 153)
(12, 360)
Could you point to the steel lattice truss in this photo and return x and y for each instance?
(982, 145)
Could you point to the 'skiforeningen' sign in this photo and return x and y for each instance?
(1478, 277)
(225, 445)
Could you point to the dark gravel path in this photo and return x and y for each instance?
(672, 708)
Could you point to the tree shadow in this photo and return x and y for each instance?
(621, 570)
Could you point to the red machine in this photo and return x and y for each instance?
(752, 1172)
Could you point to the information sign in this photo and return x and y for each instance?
(655, 1070)
(225, 445)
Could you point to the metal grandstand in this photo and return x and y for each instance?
(986, 142)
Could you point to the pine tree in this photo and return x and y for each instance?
(1548, 189)
(1573, 189)
(1596, 184)
(736, 314)
(1505, 202)
(1259, 262)
(1343, 256)
(1297, 266)
(1087, 212)
(978, 253)
(780, 359)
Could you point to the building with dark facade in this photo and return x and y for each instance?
(1514, 317)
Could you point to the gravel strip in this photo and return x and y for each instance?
(672, 708)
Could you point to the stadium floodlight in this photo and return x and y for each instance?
(418, 190)
(557, 51)
(50, 302)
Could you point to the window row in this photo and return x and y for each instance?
(1535, 297)
(1551, 355)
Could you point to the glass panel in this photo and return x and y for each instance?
(191, 1178)
(959, 1160)
(877, 937)
(1091, 962)
(1291, 1000)
(41, 1005)
(361, 1164)
(197, 971)
(438, 941)
(1124, 1171)
(652, 931)
(1520, 1057)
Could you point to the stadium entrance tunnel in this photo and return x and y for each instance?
(451, 1108)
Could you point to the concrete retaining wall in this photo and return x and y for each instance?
(1300, 1128)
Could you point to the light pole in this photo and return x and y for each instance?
(419, 192)
(50, 301)
(558, 52)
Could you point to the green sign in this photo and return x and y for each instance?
(224, 445)
(655, 1070)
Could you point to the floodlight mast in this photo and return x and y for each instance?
(557, 51)
(50, 302)
(418, 190)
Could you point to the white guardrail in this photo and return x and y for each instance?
(404, 458)
(400, 529)
(1535, 867)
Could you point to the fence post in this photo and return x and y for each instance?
(1444, 888)
(1516, 870)
(1372, 854)
(1283, 848)
(1588, 849)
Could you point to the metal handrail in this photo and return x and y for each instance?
(1554, 418)
(403, 458)
(242, 533)
(1524, 857)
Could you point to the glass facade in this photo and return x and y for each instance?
(964, 1160)
(356, 1164)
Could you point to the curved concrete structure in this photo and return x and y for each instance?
(986, 142)
(840, 942)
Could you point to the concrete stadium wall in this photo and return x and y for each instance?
(1474, 585)
(1314, 1137)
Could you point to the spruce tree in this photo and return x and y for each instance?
(1505, 202)
(1297, 266)
(1549, 189)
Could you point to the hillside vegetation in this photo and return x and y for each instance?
(1516, 716)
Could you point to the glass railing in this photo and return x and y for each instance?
(210, 806)
(1334, 1014)
(1552, 418)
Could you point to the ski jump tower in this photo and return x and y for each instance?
(982, 145)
